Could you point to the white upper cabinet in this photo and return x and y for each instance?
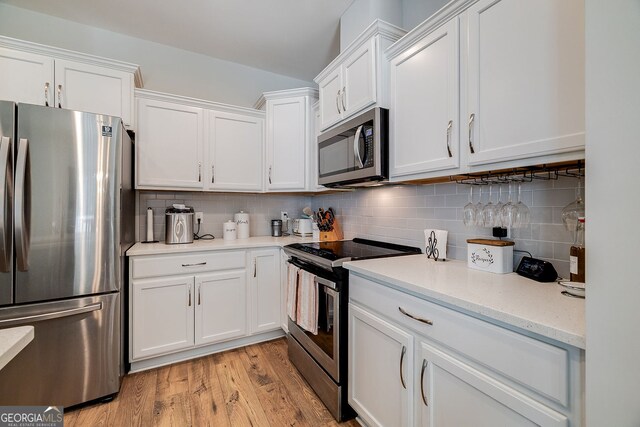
(169, 146)
(358, 77)
(235, 152)
(525, 79)
(42, 75)
(87, 87)
(289, 128)
(424, 92)
(190, 144)
(26, 77)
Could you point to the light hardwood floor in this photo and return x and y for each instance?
(250, 386)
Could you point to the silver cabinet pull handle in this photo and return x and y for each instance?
(199, 300)
(59, 96)
(338, 102)
(472, 118)
(269, 174)
(449, 128)
(255, 268)
(344, 93)
(6, 197)
(22, 206)
(194, 265)
(419, 319)
(213, 174)
(46, 94)
(52, 315)
(424, 367)
(189, 295)
(404, 351)
(199, 171)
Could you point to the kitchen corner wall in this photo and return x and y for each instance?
(396, 214)
(399, 214)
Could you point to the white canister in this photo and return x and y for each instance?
(229, 230)
(242, 223)
(495, 256)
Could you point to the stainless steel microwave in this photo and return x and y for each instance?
(356, 152)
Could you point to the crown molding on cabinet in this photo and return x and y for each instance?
(377, 27)
(289, 93)
(199, 103)
(442, 16)
(86, 58)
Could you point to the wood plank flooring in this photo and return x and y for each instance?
(250, 386)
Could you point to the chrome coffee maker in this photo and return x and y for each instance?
(179, 224)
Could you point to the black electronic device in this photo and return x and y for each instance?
(537, 269)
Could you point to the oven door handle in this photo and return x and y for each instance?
(318, 279)
(330, 287)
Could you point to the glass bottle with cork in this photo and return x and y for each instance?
(577, 254)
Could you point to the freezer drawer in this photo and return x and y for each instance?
(75, 356)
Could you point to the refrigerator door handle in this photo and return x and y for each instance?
(23, 205)
(6, 196)
(52, 315)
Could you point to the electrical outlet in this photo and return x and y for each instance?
(199, 217)
(284, 215)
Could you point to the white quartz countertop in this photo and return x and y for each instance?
(12, 341)
(508, 298)
(214, 245)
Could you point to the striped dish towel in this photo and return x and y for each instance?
(292, 290)
(307, 313)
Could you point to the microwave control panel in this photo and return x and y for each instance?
(368, 144)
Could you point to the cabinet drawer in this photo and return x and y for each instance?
(154, 266)
(534, 364)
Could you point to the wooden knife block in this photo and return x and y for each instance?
(333, 235)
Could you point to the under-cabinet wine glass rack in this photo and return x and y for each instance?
(550, 172)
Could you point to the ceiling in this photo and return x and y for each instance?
(296, 38)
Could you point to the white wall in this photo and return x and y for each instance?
(164, 68)
(416, 11)
(362, 13)
(612, 231)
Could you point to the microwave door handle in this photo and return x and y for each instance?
(356, 146)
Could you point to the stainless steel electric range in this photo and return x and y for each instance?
(322, 358)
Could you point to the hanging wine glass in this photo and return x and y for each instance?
(523, 215)
(469, 212)
(489, 212)
(509, 211)
(479, 209)
(499, 207)
(574, 211)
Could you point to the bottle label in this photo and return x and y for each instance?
(573, 264)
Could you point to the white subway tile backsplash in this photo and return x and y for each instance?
(396, 214)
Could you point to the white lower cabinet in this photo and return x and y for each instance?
(220, 303)
(380, 369)
(414, 362)
(186, 305)
(162, 320)
(265, 286)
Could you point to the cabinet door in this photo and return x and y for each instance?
(359, 74)
(424, 104)
(330, 91)
(525, 79)
(221, 306)
(265, 289)
(286, 140)
(162, 316)
(452, 393)
(24, 77)
(94, 89)
(235, 144)
(169, 145)
(380, 370)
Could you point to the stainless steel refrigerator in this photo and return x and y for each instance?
(66, 221)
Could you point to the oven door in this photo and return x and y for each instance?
(323, 347)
